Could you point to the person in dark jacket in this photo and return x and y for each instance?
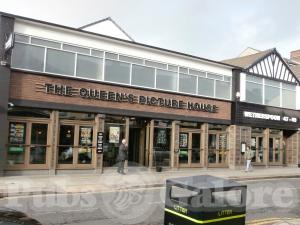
(122, 156)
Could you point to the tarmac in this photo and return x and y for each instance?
(135, 178)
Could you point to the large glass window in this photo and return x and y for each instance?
(223, 89)
(143, 76)
(117, 71)
(288, 99)
(166, 80)
(272, 96)
(254, 92)
(187, 83)
(42, 42)
(28, 57)
(89, 67)
(60, 62)
(161, 145)
(38, 147)
(205, 87)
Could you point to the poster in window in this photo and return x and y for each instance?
(114, 134)
(183, 140)
(162, 136)
(86, 134)
(17, 133)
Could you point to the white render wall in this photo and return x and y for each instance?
(102, 43)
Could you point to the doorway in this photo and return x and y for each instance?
(218, 146)
(189, 149)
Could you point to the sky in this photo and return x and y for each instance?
(213, 29)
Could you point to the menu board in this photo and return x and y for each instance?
(17, 136)
(114, 135)
(183, 140)
(100, 142)
(86, 135)
(17, 133)
(162, 137)
(223, 141)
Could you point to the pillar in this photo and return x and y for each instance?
(100, 122)
(266, 137)
(54, 128)
(174, 144)
(204, 145)
(292, 149)
(151, 137)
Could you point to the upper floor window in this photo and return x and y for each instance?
(270, 92)
(54, 57)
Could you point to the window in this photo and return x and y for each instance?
(109, 55)
(21, 38)
(143, 76)
(183, 70)
(156, 64)
(50, 44)
(66, 144)
(130, 59)
(187, 83)
(117, 71)
(60, 62)
(173, 68)
(223, 89)
(16, 146)
(288, 99)
(89, 67)
(197, 72)
(254, 92)
(28, 57)
(214, 76)
(76, 49)
(272, 96)
(97, 53)
(205, 87)
(166, 80)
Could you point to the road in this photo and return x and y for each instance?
(267, 201)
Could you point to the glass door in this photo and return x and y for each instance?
(275, 151)
(217, 149)
(189, 149)
(28, 144)
(257, 149)
(75, 147)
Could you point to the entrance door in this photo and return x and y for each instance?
(190, 149)
(275, 150)
(257, 149)
(217, 149)
(75, 148)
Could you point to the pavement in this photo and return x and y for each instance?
(135, 178)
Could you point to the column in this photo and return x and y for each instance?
(100, 122)
(204, 145)
(151, 136)
(174, 144)
(266, 136)
(54, 132)
(292, 149)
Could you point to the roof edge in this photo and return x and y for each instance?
(122, 40)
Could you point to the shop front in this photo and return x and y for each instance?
(55, 123)
(271, 133)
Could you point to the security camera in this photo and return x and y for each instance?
(10, 105)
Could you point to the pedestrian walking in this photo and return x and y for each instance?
(122, 156)
(248, 156)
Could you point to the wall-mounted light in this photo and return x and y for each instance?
(237, 94)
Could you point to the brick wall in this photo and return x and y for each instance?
(23, 87)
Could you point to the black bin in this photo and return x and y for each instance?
(205, 200)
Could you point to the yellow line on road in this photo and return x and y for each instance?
(270, 220)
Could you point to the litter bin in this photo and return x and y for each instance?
(205, 200)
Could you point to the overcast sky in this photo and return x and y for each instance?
(214, 29)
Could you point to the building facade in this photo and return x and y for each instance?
(71, 96)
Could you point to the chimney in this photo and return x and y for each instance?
(295, 55)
